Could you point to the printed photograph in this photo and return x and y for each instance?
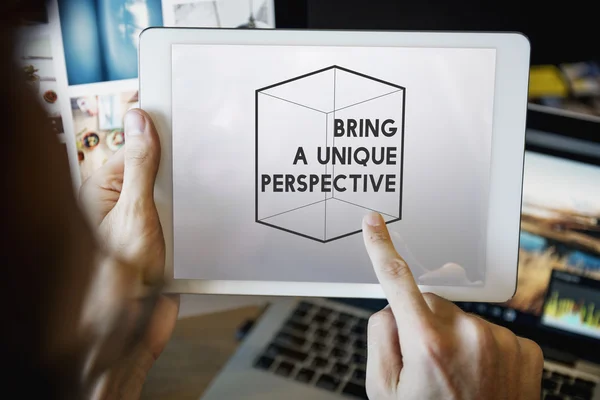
(100, 37)
(560, 226)
(223, 13)
(37, 63)
(98, 124)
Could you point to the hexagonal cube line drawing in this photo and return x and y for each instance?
(302, 112)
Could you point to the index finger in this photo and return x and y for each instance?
(393, 273)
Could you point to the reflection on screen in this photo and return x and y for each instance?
(560, 231)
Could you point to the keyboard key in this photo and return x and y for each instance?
(340, 369)
(264, 362)
(558, 375)
(320, 362)
(584, 382)
(322, 315)
(284, 368)
(338, 324)
(359, 374)
(359, 329)
(297, 326)
(345, 317)
(576, 390)
(289, 339)
(295, 355)
(549, 384)
(328, 382)
(304, 306)
(360, 344)
(582, 390)
(305, 375)
(339, 353)
(318, 347)
(299, 314)
(319, 319)
(325, 311)
(358, 391)
(341, 339)
(321, 333)
(359, 359)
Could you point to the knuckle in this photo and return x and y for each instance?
(481, 333)
(532, 352)
(484, 335)
(436, 343)
(431, 296)
(396, 268)
(507, 345)
(437, 347)
(432, 299)
(509, 337)
(379, 318)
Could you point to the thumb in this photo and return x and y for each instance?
(142, 156)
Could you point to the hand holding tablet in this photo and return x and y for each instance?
(281, 142)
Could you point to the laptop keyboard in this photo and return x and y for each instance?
(321, 347)
(562, 386)
(326, 348)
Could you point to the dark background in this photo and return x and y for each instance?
(558, 31)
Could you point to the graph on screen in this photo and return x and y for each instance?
(577, 312)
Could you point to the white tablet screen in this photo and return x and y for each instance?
(279, 151)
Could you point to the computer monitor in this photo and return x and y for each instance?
(552, 39)
(558, 292)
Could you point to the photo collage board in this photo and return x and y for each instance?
(81, 60)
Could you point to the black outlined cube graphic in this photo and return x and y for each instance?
(300, 112)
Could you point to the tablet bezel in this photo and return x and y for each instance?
(508, 144)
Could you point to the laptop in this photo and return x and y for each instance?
(316, 348)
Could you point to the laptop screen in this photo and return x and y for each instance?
(559, 255)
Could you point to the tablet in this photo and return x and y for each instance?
(276, 143)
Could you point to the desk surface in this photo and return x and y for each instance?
(199, 348)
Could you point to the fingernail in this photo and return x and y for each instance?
(135, 123)
(373, 219)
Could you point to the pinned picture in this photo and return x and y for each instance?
(37, 63)
(100, 37)
(98, 124)
(220, 13)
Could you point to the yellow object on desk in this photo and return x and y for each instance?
(547, 81)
